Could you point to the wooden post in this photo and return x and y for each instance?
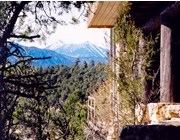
(145, 96)
(91, 109)
(166, 92)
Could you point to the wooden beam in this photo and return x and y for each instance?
(166, 88)
(100, 26)
(169, 13)
(152, 25)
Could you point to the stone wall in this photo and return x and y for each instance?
(158, 113)
(159, 121)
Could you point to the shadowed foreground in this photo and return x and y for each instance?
(150, 132)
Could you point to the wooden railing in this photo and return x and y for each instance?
(91, 109)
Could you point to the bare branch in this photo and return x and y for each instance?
(27, 60)
(24, 36)
(13, 20)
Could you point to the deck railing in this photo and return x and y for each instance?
(91, 109)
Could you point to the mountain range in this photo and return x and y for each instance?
(67, 54)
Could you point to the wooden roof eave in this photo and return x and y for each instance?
(104, 14)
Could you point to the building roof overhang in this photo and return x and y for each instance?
(103, 14)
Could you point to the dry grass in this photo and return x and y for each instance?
(103, 103)
(104, 116)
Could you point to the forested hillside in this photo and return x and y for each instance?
(40, 103)
(59, 112)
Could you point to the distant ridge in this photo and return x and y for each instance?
(56, 59)
(66, 54)
(84, 51)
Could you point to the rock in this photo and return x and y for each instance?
(104, 131)
(99, 124)
(157, 113)
(109, 138)
(111, 130)
(171, 111)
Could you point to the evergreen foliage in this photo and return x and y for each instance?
(133, 65)
(59, 112)
(26, 93)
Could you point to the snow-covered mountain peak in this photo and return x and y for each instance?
(55, 45)
(86, 49)
(66, 54)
